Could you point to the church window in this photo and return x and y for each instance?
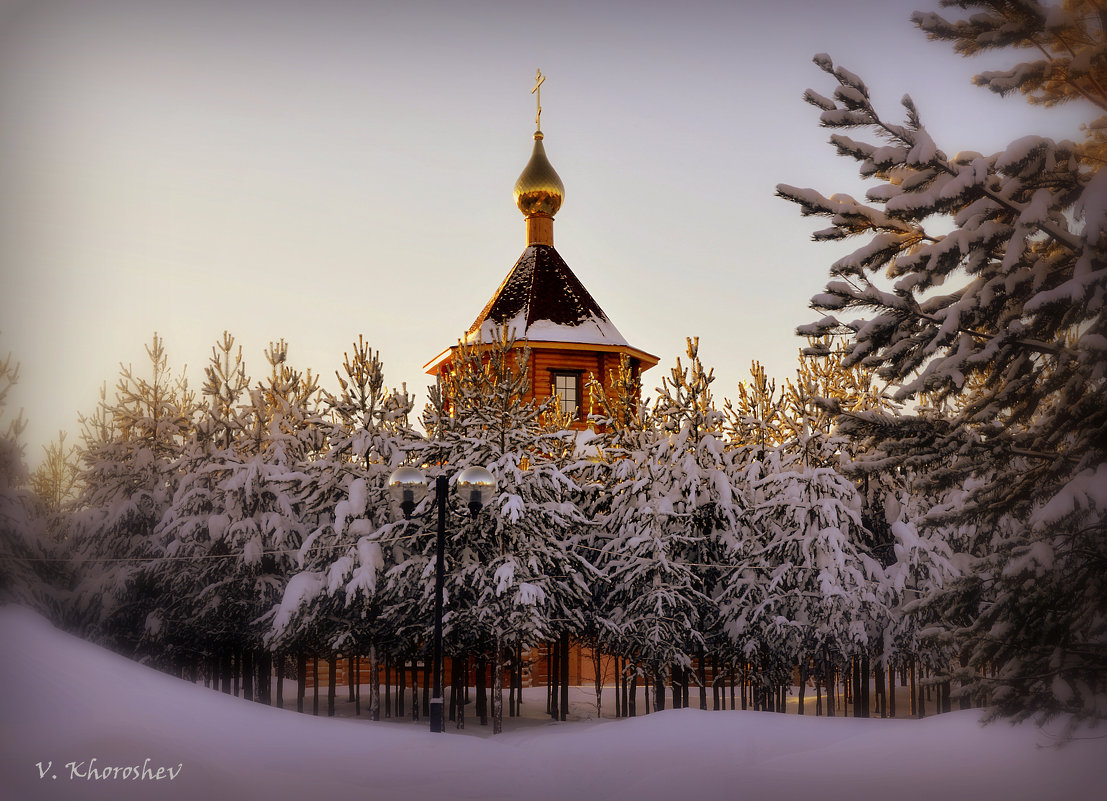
(566, 386)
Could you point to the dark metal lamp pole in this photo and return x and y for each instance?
(408, 485)
(436, 720)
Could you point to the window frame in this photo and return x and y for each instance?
(577, 412)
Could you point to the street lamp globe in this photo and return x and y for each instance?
(408, 486)
(475, 485)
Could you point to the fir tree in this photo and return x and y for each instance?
(672, 528)
(1005, 315)
(335, 600)
(129, 473)
(513, 568)
(32, 570)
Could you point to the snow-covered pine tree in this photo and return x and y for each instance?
(671, 531)
(792, 434)
(756, 421)
(56, 480)
(1007, 311)
(181, 629)
(129, 473)
(512, 570)
(334, 602)
(240, 519)
(612, 436)
(803, 589)
(32, 571)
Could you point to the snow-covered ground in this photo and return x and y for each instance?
(66, 701)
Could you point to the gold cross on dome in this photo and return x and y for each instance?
(539, 78)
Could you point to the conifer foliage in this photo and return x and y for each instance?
(234, 536)
(996, 327)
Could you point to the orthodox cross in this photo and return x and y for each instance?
(537, 92)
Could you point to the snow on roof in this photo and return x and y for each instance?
(542, 300)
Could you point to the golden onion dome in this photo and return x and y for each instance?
(539, 190)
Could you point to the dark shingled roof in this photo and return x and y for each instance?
(542, 287)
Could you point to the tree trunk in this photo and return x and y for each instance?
(624, 672)
(855, 682)
(564, 675)
(301, 680)
(453, 689)
(374, 684)
(554, 677)
(278, 660)
(497, 686)
(463, 688)
(512, 677)
(518, 680)
(620, 689)
(715, 689)
(315, 686)
(881, 697)
(632, 695)
(388, 685)
(702, 659)
(427, 682)
(597, 670)
(236, 671)
(914, 689)
(267, 664)
(964, 701)
(357, 685)
(247, 657)
(350, 675)
(332, 683)
(831, 688)
(659, 692)
(414, 687)
(891, 691)
(802, 683)
(225, 671)
(863, 673)
(401, 688)
(482, 692)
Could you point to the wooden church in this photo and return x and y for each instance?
(570, 339)
(546, 307)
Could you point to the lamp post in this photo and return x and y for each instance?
(408, 486)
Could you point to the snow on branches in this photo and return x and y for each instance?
(980, 296)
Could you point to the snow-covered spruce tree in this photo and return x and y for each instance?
(790, 452)
(756, 421)
(671, 530)
(927, 557)
(129, 473)
(31, 568)
(180, 629)
(613, 435)
(1007, 312)
(56, 481)
(804, 590)
(241, 518)
(333, 603)
(513, 569)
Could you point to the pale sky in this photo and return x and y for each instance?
(316, 170)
